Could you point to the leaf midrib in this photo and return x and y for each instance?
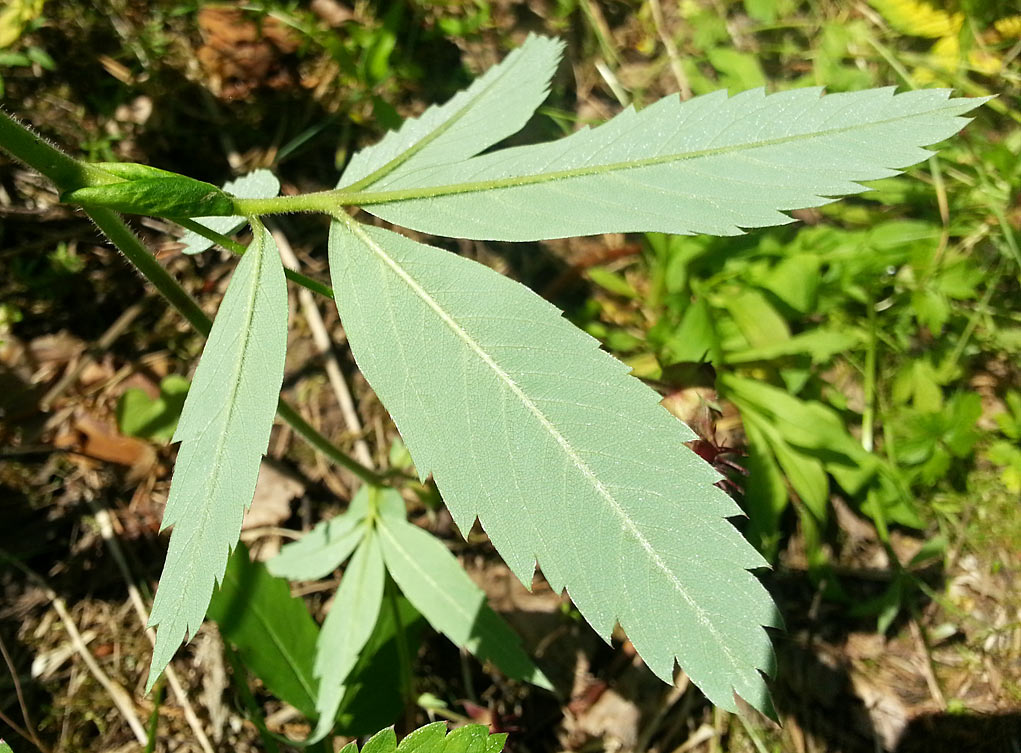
(418, 146)
(281, 645)
(351, 196)
(384, 528)
(206, 513)
(356, 229)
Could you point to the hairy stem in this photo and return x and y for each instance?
(65, 172)
(239, 248)
(68, 173)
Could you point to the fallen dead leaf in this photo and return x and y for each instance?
(331, 12)
(102, 441)
(273, 494)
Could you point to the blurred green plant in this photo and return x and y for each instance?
(1006, 452)
(847, 345)
(15, 17)
(139, 415)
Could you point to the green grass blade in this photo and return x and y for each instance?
(224, 430)
(711, 164)
(564, 458)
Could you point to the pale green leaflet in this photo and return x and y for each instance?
(567, 461)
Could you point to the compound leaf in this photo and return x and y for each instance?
(433, 580)
(224, 430)
(565, 459)
(495, 106)
(271, 629)
(712, 164)
(347, 628)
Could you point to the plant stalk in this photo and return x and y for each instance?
(239, 248)
(67, 173)
(28, 147)
(869, 386)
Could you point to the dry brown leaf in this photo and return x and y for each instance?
(273, 494)
(102, 442)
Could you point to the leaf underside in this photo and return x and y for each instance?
(323, 549)
(347, 628)
(713, 164)
(523, 421)
(565, 459)
(224, 430)
(496, 105)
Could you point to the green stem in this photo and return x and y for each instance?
(154, 718)
(947, 367)
(224, 241)
(239, 248)
(327, 448)
(113, 227)
(63, 170)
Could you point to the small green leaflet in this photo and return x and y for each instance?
(495, 106)
(379, 683)
(325, 547)
(712, 165)
(433, 738)
(149, 190)
(348, 627)
(434, 581)
(258, 184)
(224, 430)
(271, 629)
(565, 459)
(138, 415)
